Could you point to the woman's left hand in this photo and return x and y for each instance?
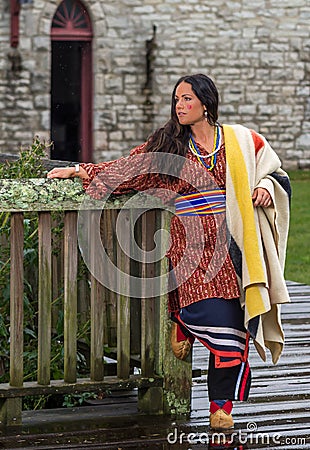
(261, 197)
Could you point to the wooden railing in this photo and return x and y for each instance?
(141, 335)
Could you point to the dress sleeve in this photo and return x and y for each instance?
(136, 172)
(120, 176)
(94, 169)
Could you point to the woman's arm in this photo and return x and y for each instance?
(120, 176)
(88, 171)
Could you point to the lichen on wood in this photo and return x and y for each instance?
(39, 193)
(43, 194)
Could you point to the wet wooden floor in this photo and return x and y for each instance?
(277, 415)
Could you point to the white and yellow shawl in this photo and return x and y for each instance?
(260, 234)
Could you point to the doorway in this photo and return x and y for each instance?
(66, 100)
(71, 83)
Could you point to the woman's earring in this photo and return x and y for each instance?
(206, 114)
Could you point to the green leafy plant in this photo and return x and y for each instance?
(71, 400)
(29, 164)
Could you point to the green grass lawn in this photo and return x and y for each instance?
(298, 251)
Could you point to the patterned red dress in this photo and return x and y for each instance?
(208, 233)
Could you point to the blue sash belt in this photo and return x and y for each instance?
(201, 203)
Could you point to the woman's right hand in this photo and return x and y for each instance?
(66, 172)
(61, 172)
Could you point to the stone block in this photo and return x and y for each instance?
(45, 120)
(42, 101)
(26, 104)
(304, 164)
(100, 139)
(41, 43)
(303, 142)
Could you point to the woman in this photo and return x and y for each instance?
(245, 192)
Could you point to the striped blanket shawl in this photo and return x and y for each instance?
(259, 235)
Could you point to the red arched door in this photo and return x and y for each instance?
(71, 82)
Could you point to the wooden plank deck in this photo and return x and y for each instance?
(280, 395)
(277, 415)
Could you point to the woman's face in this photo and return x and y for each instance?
(188, 107)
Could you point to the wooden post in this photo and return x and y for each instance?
(148, 304)
(45, 297)
(177, 374)
(135, 270)
(108, 237)
(97, 306)
(150, 399)
(70, 296)
(123, 305)
(57, 271)
(12, 410)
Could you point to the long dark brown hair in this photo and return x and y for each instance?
(173, 137)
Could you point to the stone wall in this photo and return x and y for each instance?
(257, 52)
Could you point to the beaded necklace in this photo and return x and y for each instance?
(195, 150)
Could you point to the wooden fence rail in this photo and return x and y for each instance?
(142, 325)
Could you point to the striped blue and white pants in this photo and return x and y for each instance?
(219, 325)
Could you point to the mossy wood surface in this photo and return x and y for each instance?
(43, 194)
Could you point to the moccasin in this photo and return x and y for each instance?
(181, 349)
(221, 420)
